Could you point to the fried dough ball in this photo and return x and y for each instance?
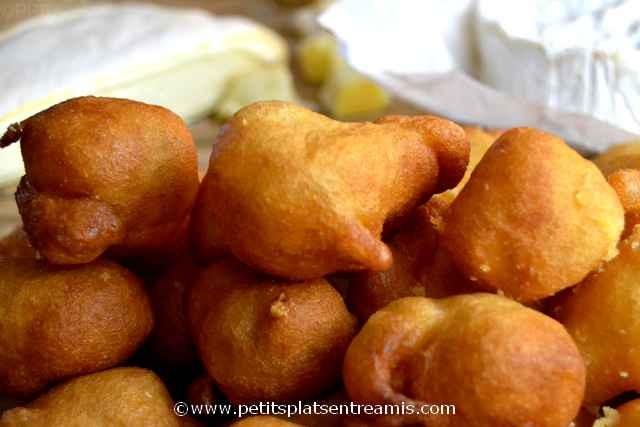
(534, 218)
(264, 421)
(130, 397)
(298, 195)
(602, 316)
(57, 322)
(16, 245)
(622, 156)
(626, 182)
(421, 267)
(170, 345)
(263, 340)
(119, 176)
(500, 363)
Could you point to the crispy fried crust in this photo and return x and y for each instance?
(263, 340)
(449, 142)
(104, 174)
(131, 397)
(170, 345)
(629, 414)
(602, 316)
(626, 182)
(622, 156)
(16, 245)
(295, 194)
(58, 322)
(534, 218)
(421, 267)
(500, 363)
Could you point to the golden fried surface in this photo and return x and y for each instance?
(629, 414)
(263, 340)
(119, 175)
(264, 421)
(500, 363)
(59, 322)
(534, 218)
(16, 245)
(626, 182)
(131, 397)
(170, 345)
(479, 140)
(421, 267)
(622, 156)
(602, 316)
(298, 195)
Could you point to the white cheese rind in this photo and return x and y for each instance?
(578, 57)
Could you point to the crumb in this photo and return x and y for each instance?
(611, 418)
(279, 307)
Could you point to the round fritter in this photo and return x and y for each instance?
(263, 340)
(621, 156)
(602, 314)
(170, 345)
(297, 195)
(131, 397)
(500, 363)
(58, 322)
(534, 218)
(119, 176)
(626, 182)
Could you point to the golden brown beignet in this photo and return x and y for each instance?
(16, 245)
(118, 175)
(500, 363)
(170, 345)
(57, 322)
(626, 182)
(534, 218)
(298, 195)
(421, 267)
(602, 316)
(621, 156)
(131, 397)
(264, 340)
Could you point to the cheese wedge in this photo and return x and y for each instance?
(181, 59)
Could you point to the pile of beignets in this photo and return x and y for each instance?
(403, 261)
